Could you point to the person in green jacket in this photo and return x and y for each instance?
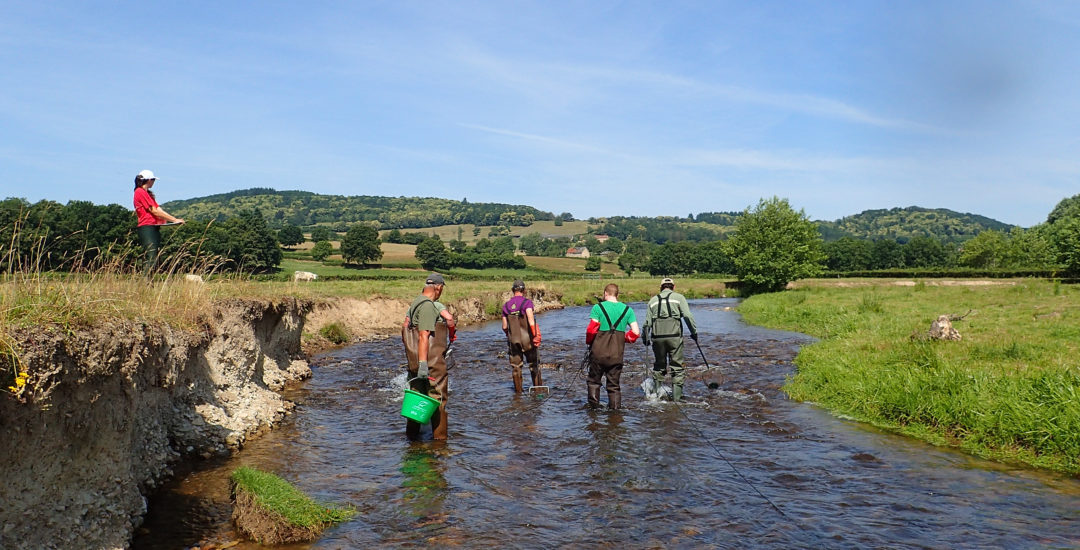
(666, 313)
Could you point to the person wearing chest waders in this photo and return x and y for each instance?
(522, 335)
(611, 325)
(663, 326)
(426, 341)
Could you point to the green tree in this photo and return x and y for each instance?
(593, 263)
(503, 245)
(476, 231)
(926, 252)
(1030, 248)
(290, 235)
(848, 254)
(394, 236)
(672, 259)
(247, 242)
(433, 255)
(986, 250)
(361, 244)
(322, 250)
(630, 262)
(773, 245)
(1067, 208)
(320, 233)
(712, 257)
(458, 246)
(1065, 235)
(886, 254)
(531, 244)
(613, 244)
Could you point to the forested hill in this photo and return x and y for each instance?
(304, 208)
(905, 223)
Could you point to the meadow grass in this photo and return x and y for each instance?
(1009, 390)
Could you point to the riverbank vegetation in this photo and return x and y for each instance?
(1009, 390)
(270, 510)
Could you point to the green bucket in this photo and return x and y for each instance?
(417, 406)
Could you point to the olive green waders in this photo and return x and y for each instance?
(669, 351)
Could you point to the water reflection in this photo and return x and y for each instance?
(424, 485)
(524, 472)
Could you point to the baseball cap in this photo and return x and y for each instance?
(518, 285)
(145, 175)
(667, 281)
(435, 279)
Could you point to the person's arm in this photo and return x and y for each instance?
(535, 328)
(684, 310)
(451, 324)
(160, 214)
(422, 347)
(594, 325)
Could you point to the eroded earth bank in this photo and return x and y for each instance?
(110, 410)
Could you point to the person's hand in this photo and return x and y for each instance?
(646, 342)
(180, 221)
(536, 336)
(422, 372)
(693, 336)
(452, 332)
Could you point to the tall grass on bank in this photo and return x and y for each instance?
(1010, 390)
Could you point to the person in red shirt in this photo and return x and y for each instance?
(151, 217)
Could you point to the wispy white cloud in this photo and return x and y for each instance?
(561, 143)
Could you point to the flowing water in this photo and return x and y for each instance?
(740, 466)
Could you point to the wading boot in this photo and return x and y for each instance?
(676, 393)
(537, 378)
(594, 396)
(614, 400)
(518, 385)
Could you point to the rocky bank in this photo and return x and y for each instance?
(109, 409)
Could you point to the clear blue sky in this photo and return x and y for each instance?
(596, 108)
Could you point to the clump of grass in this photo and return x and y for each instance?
(870, 303)
(270, 510)
(335, 332)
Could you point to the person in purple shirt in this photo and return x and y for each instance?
(522, 335)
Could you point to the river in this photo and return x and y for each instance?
(739, 466)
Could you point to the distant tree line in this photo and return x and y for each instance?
(434, 254)
(80, 235)
(305, 209)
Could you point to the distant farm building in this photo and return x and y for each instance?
(602, 238)
(577, 252)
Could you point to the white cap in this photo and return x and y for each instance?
(145, 175)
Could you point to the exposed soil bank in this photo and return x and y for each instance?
(110, 408)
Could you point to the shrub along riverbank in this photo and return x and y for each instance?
(1009, 390)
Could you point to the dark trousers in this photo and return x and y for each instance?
(150, 238)
(614, 391)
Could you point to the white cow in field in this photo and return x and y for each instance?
(304, 276)
(191, 278)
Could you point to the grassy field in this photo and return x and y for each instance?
(403, 256)
(1009, 390)
(545, 228)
